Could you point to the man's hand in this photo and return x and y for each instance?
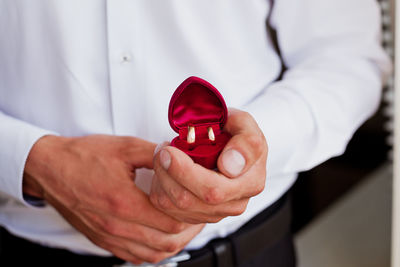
(90, 181)
(194, 194)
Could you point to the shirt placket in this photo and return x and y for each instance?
(123, 29)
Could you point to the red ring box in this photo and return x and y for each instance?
(198, 104)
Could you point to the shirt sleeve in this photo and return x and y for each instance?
(335, 68)
(16, 140)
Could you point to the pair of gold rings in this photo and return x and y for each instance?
(191, 137)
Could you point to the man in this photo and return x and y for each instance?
(84, 93)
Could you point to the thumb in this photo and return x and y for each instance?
(233, 162)
(165, 157)
(245, 148)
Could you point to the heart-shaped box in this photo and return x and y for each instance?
(197, 104)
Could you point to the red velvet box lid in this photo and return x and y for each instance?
(197, 103)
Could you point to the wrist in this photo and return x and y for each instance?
(37, 166)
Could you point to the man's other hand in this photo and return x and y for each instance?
(90, 181)
(194, 194)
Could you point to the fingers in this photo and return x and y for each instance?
(144, 252)
(143, 234)
(128, 241)
(85, 227)
(162, 201)
(154, 218)
(129, 250)
(138, 152)
(169, 196)
(246, 146)
(133, 205)
(211, 187)
(252, 182)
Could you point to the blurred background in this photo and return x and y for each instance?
(342, 208)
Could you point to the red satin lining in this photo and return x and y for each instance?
(197, 105)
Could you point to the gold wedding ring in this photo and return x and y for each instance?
(211, 135)
(191, 137)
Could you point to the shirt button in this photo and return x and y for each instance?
(126, 58)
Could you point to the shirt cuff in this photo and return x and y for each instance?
(34, 201)
(288, 126)
(16, 140)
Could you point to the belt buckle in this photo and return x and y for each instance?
(222, 250)
(169, 262)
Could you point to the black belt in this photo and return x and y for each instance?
(261, 232)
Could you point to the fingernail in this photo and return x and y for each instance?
(233, 162)
(159, 147)
(165, 159)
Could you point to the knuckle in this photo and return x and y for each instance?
(154, 199)
(214, 219)
(115, 205)
(104, 225)
(181, 171)
(164, 202)
(177, 227)
(239, 210)
(213, 196)
(183, 199)
(236, 212)
(142, 234)
(171, 246)
(258, 188)
(256, 142)
(244, 115)
(110, 227)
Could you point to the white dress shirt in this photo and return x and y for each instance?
(73, 68)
